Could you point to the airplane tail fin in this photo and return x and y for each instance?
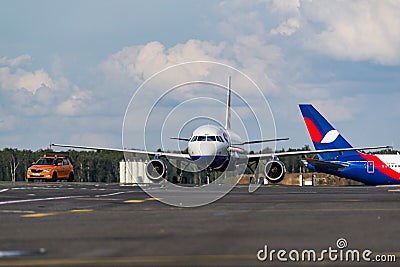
(228, 107)
(323, 134)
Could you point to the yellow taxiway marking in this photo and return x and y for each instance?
(82, 210)
(135, 201)
(37, 215)
(141, 200)
(153, 198)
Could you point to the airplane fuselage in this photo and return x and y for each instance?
(370, 169)
(209, 146)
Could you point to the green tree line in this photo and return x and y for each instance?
(89, 166)
(101, 166)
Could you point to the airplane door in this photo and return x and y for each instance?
(370, 167)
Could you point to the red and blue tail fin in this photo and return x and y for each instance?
(322, 133)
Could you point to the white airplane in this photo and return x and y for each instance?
(215, 148)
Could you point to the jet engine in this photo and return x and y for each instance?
(156, 169)
(274, 171)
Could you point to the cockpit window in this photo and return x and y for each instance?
(211, 138)
(219, 139)
(201, 138)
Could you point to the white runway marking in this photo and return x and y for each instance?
(4, 190)
(38, 199)
(394, 190)
(113, 194)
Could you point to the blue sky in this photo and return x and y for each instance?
(69, 68)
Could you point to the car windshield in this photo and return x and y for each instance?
(45, 161)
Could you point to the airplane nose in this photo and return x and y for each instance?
(203, 153)
(208, 148)
(203, 162)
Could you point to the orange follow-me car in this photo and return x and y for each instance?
(51, 168)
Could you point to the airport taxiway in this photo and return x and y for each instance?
(86, 224)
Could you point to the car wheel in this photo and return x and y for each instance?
(71, 177)
(54, 177)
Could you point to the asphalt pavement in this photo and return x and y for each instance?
(87, 224)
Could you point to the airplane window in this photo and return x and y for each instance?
(193, 139)
(211, 138)
(201, 138)
(219, 138)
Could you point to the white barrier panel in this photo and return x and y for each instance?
(141, 173)
(308, 183)
(129, 174)
(134, 168)
(133, 172)
(122, 172)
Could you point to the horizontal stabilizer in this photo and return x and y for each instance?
(326, 165)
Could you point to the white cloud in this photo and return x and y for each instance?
(260, 60)
(359, 30)
(17, 61)
(287, 28)
(305, 47)
(132, 65)
(342, 109)
(137, 63)
(33, 93)
(354, 30)
(295, 50)
(252, 29)
(286, 6)
(76, 104)
(14, 77)
(241, 18)
(33, 80)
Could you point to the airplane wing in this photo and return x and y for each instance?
(260, 141)
(142, 152)
(311, 152)
(180, 139)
